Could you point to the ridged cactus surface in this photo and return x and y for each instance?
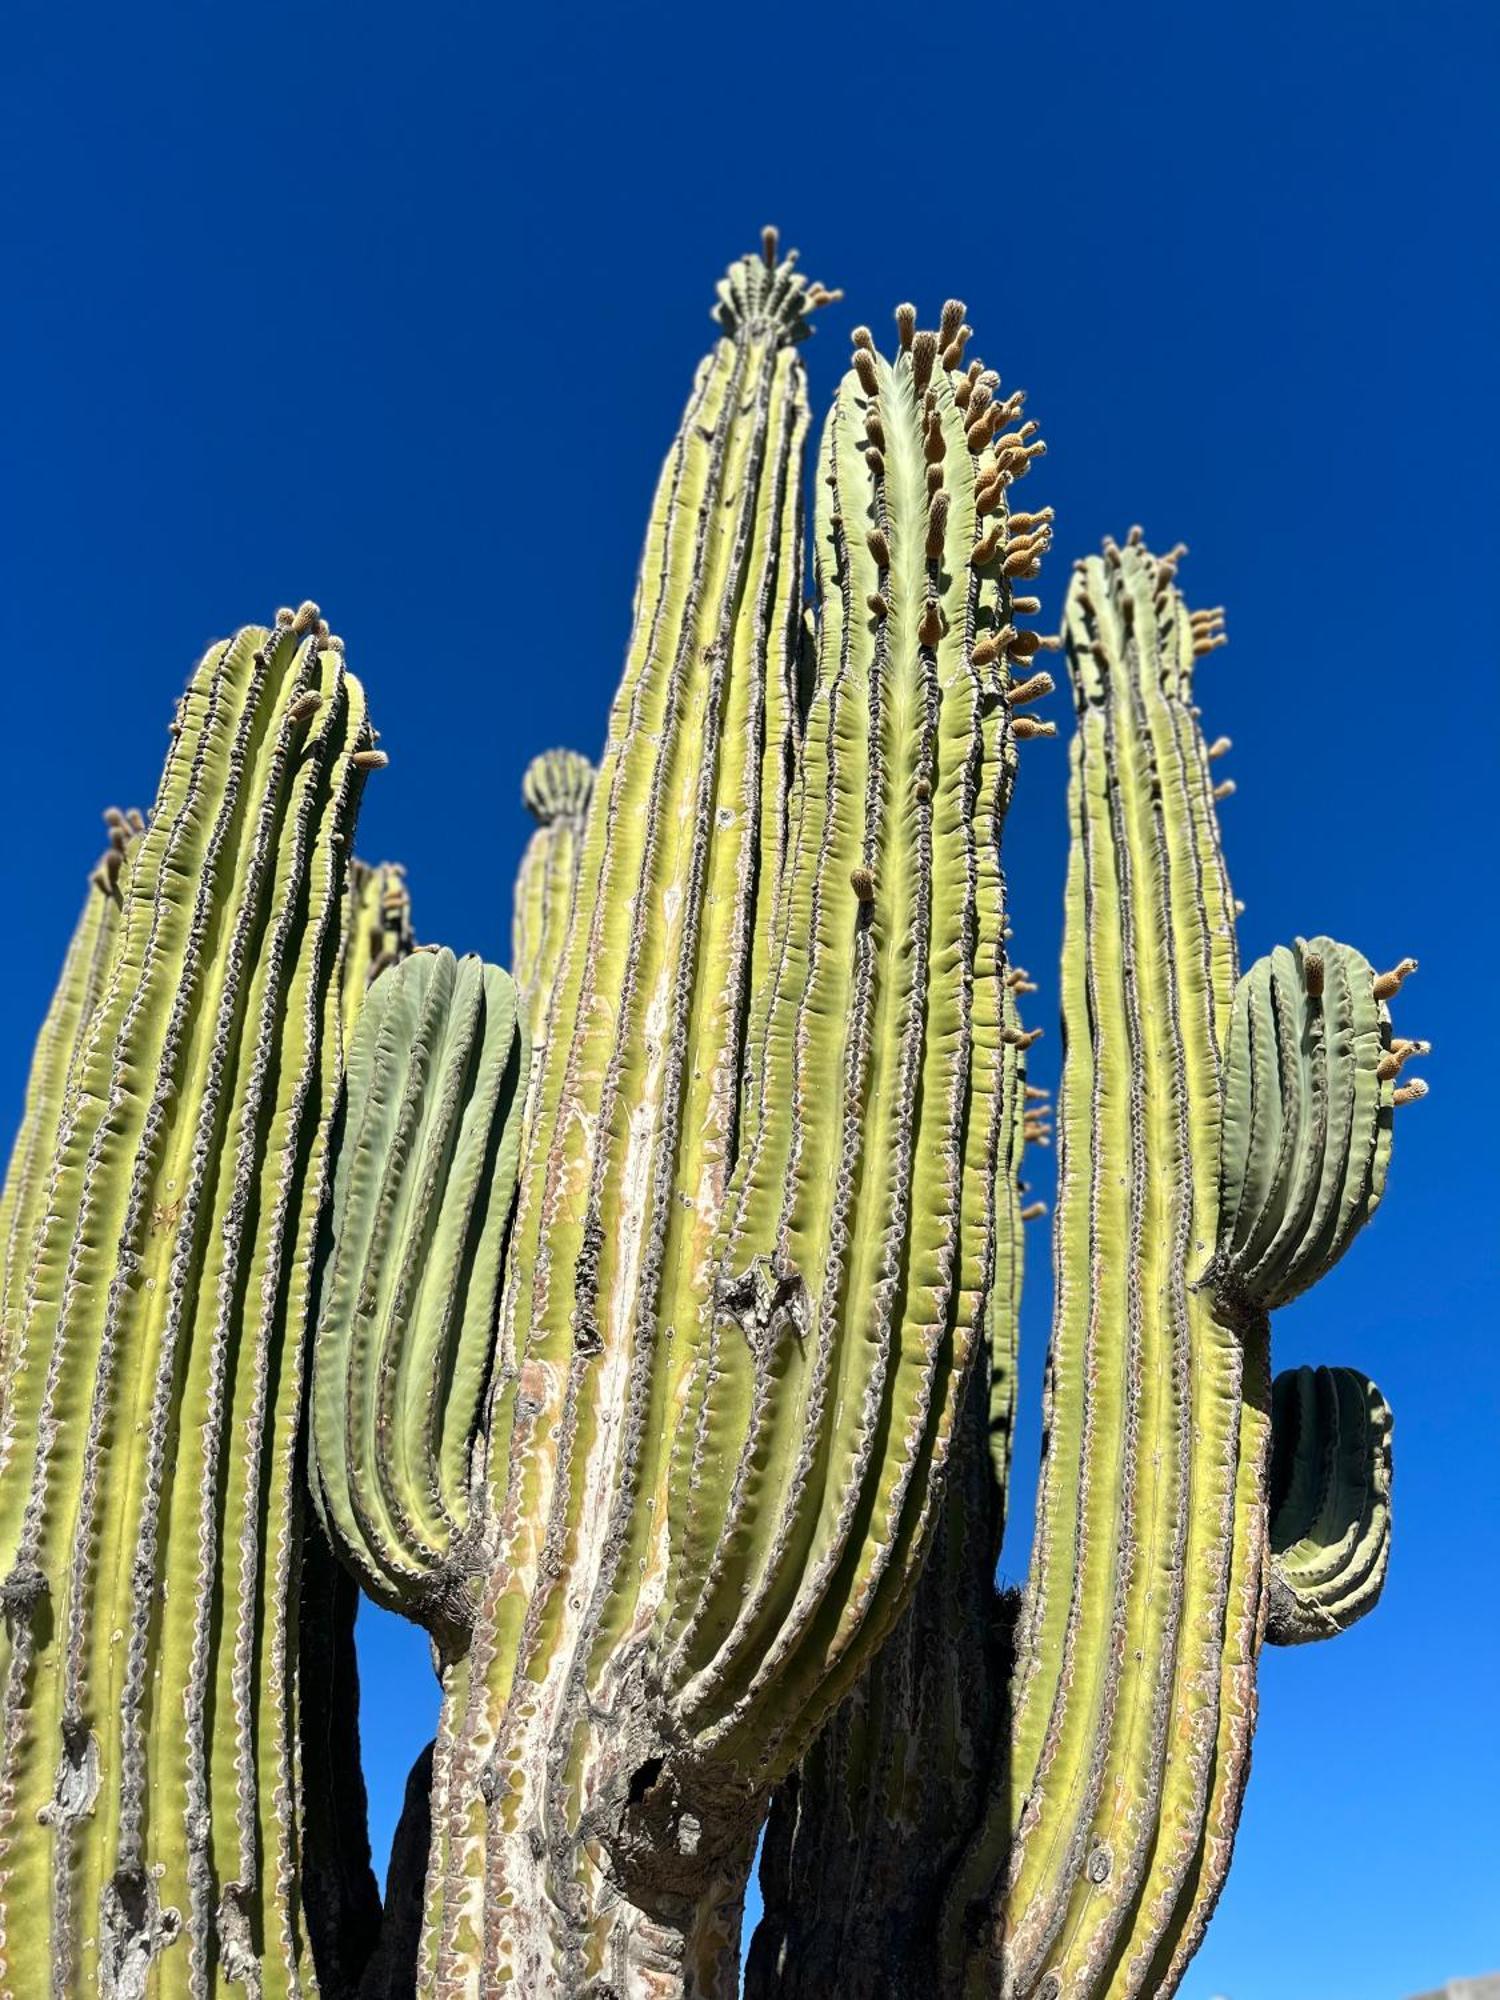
(422, 1195)
(756, 1222)
(1313, 1076)
(644, 1322)
(557, 788)
(54, 1069)
(1111, 1711)
(1330, 1502)
(150, 1514)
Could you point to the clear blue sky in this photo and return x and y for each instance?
(397, 307)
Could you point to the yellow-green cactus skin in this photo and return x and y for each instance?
(756, 1221)
(422, 1195)
(60, 1047)
(643, 1322)
(1220, 1142)
(150, 1505)
(1330, 1502)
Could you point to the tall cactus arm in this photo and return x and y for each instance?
(422, 1197)
(63, 1038)
(1311, 1083)
(859, 1237)
(149, 1513)
(1144, 1580)
(863, 1837)
(556, 788)
(1330, 1502)
(635, 1115)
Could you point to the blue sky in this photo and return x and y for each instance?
(396, 308)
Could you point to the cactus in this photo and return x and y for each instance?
(727, 1389)
(60, 1047)
(422, 1195)
(556, 789)
(1221, 1143)
(149, 1501)
(666, 1291)
(377, 933)
(1330, 1497)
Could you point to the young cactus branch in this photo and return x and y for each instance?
(422, 1197)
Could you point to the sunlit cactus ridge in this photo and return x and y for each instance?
(643, 1321)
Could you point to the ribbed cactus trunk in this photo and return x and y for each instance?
(151, 1836)
(862, 1842)
(1048, 1811)
(755, 1226)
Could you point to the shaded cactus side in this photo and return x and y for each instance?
(150, 1512)
(1330, 1496)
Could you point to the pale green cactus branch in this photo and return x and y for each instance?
(59, 1049)
(422, 1197)
(1330, 1502)
(149, 1509)
(1312, 1079)
(377, 933)
(637, 1096)
(863, 1837)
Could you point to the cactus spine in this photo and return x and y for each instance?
(149, 1505)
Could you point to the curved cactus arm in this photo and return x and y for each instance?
(1138, 1630)
(1311, 1080)
(422, 1197)
(557, 788)
(59, 1048)
(1330, 1502)
(857, 1244)
(377, 933)
(149, 1512)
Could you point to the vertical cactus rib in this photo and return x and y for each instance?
(556, 789)
(422, 1198)
(1330, 1502)
(667, 884)
(151, 1526)
(1113, 1740)
(858, 1244)
(60, 1045)
(862, 1839)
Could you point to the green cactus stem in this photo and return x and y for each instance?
(556, 789)
(150, 1512)
(423, 1189)
(377, 933)
(1312, 1074)
(755, 1224)
(1330, 1502)
(59, 1049)
(863, 1839)
(1118, 1708)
